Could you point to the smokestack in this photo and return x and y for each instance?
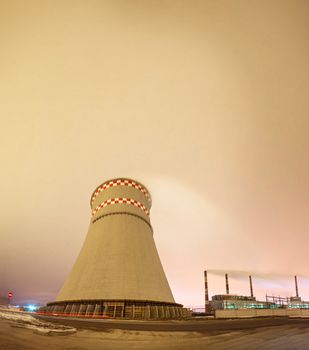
(251, 288)
(227, 283)
(296, 286)
(206, 292)
(206, 287)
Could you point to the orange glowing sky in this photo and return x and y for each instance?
(205, 102)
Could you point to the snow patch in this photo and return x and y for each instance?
(24, 320)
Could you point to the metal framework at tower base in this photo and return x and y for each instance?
(124, 309)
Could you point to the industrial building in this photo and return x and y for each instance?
(232, 305)
(233, 301)
(118, 272)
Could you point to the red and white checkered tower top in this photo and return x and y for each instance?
(120, 195)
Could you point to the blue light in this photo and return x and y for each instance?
(31, 307)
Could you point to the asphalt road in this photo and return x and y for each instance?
(208, 326)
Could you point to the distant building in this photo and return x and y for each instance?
(230, 301)
(241, 302)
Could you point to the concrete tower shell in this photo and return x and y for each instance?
(118, 272)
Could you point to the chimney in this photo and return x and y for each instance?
(251, 288)
(296, 286)
(227, 283)
(206, 287)
(206, 293)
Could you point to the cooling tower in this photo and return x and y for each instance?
(118, 272)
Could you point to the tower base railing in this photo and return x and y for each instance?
(118, 309)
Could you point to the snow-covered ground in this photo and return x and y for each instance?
(266, 338)
(25, 320)
(13, 335)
